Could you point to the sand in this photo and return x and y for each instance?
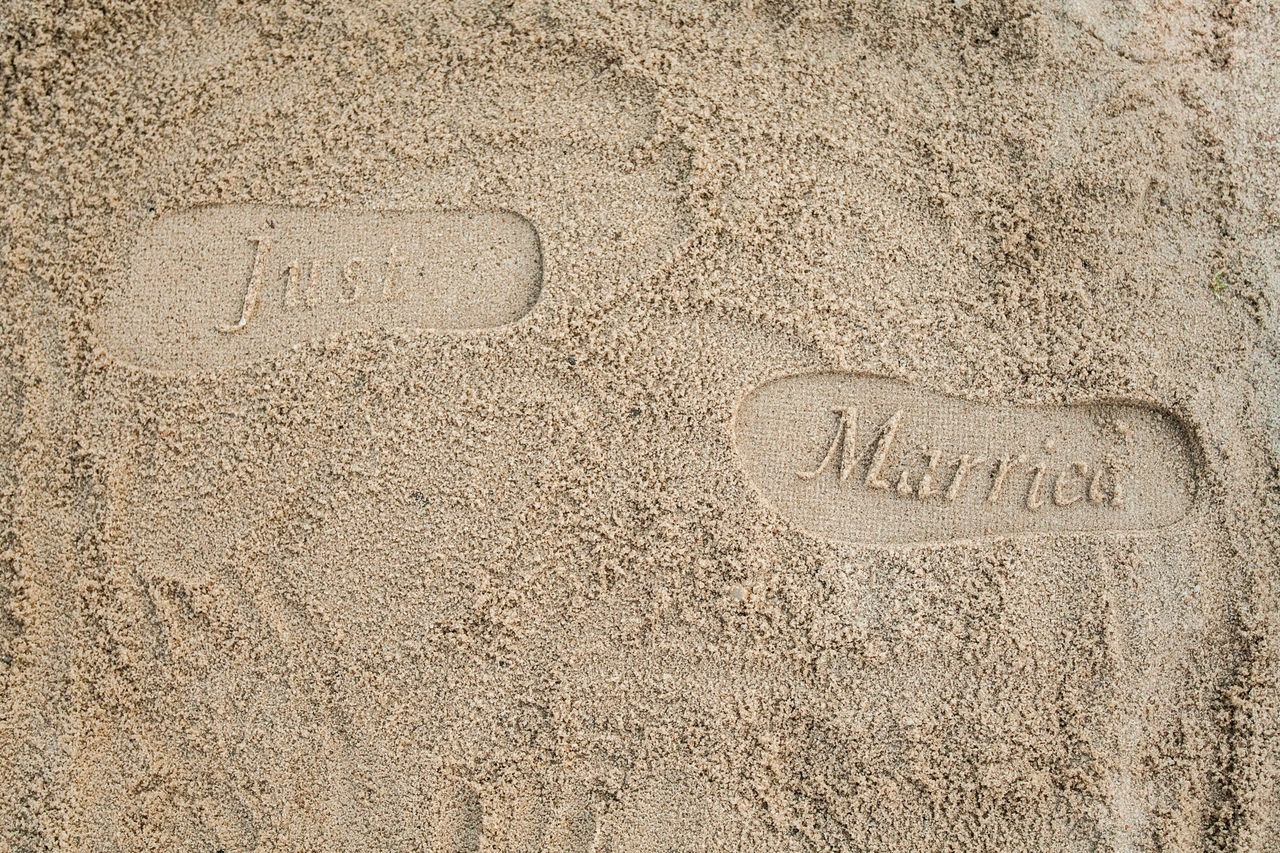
(654, 427)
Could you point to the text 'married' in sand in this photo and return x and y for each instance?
(210, 287)
(856, 459)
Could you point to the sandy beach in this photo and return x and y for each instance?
(673, 426)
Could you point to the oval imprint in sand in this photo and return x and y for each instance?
(209, 286)
(858, 459)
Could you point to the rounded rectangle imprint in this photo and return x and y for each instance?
(866, 460)
(210, 286)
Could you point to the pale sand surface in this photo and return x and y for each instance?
(671, 427)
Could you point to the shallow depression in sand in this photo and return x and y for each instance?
(215, 285)
(859, 459)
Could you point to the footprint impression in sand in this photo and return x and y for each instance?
(858, 459)
(216, 284)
